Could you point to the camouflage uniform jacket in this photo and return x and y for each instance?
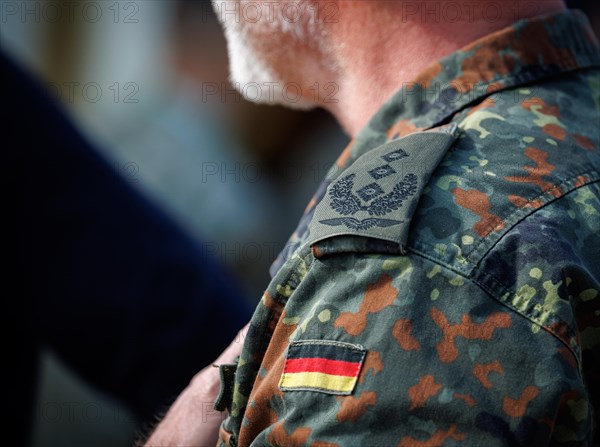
(442, 287)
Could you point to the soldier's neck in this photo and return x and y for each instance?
(376, 55)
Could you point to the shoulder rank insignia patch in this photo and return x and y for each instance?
(324, 366)
(377, 195)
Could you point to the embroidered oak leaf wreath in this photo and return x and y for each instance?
(370, 198)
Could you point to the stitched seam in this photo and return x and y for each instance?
(513, 292)
(530, 318)
(286, 282)
(595, 177)
(317, 389)
(483, 255)
(549, 73)
(438, 261)
(500, 301)
(265, 334)
(352, 346)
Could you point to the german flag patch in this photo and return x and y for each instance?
(325, 366)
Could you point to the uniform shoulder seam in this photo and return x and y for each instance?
(498, 299)
(593, 176)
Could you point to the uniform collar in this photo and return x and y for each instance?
(528, 51)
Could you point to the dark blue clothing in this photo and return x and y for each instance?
(101, 277)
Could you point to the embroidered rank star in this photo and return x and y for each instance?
(330, 367)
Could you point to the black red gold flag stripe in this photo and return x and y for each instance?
(325, 366)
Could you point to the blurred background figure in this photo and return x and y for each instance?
(146, 82)
(106, 281)
(143, 80)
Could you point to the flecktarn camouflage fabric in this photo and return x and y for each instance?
(442, 287)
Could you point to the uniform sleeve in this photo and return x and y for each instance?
(445, 362)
